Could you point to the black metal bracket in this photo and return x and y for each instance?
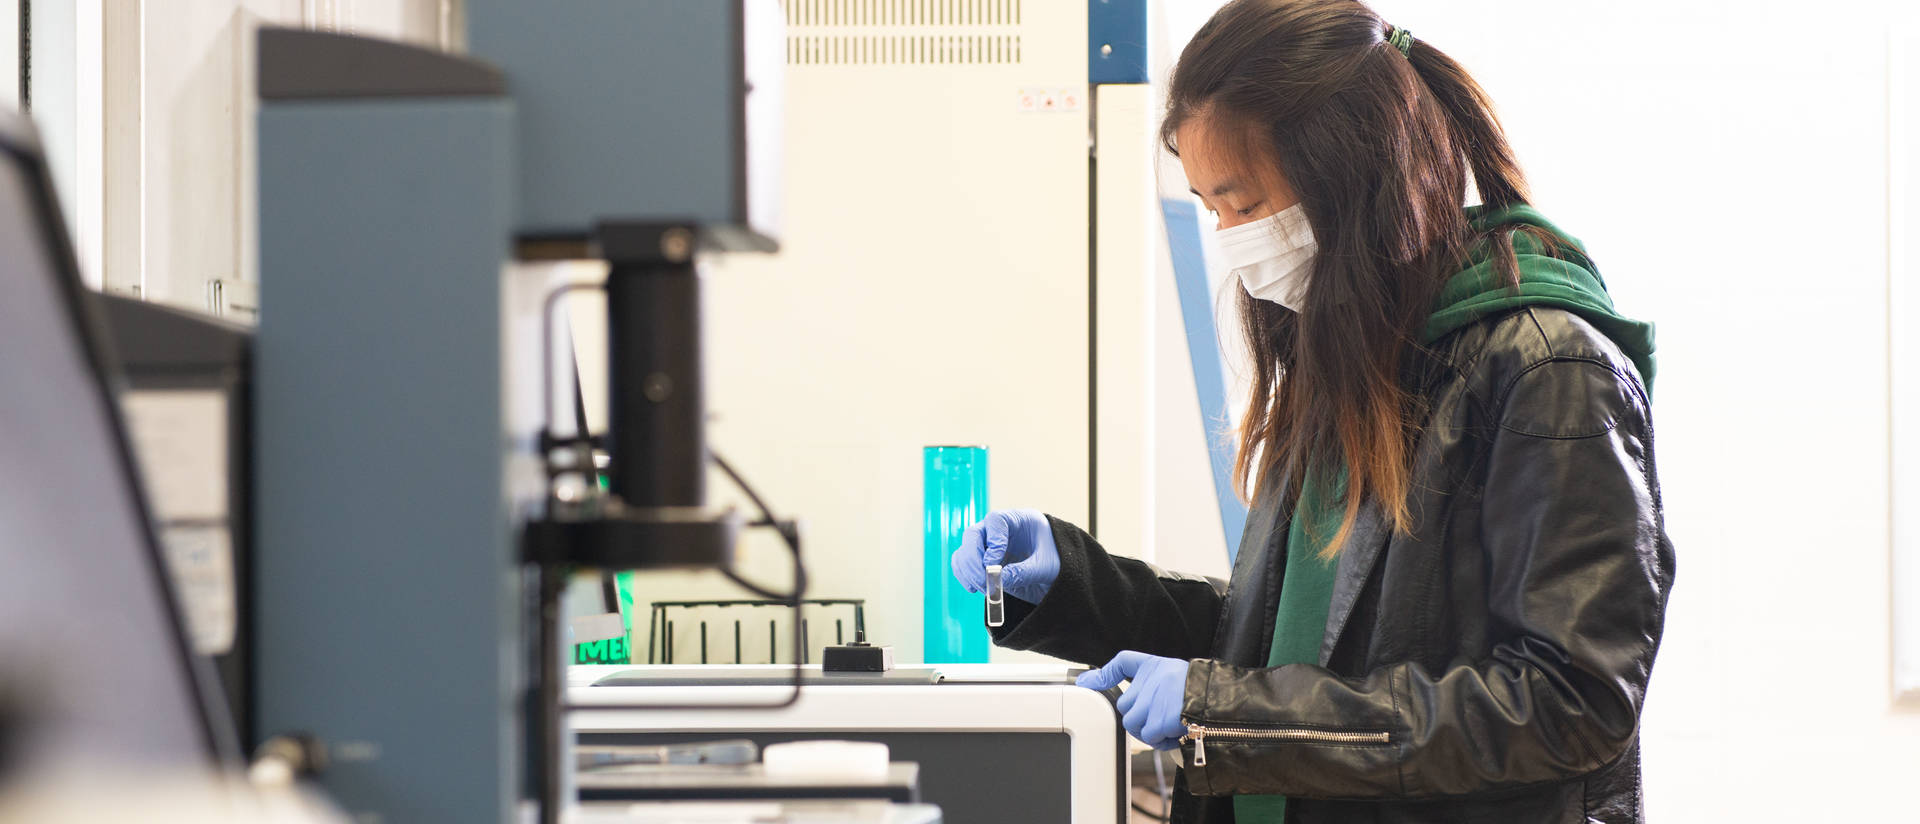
(653, 517)
(647, 242)
(644, 539)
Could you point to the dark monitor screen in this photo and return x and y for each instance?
(94, 666)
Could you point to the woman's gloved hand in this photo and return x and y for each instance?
(1021, 542)
(1150, 709)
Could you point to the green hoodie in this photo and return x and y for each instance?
(1568, 282)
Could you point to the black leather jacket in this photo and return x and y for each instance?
(1488, 665)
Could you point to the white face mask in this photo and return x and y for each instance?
(1272, 255)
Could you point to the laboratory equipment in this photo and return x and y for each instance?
(956, 498)
(897, 782)
(996, 597)
(736, 751)
(1150, 708)
(1049, 751)
(407, 449)
(642, 176)
(188, 409)
(866, 811)
(85, 607)
(655, 111)
(728, 629)
(388, 606)
(858, 656)
(418, 500)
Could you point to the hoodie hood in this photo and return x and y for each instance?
(1561, 277)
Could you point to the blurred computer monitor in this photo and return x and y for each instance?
(188, 410)
(95, 667)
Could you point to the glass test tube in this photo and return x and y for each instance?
(996, 597)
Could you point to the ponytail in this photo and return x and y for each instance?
(1476, 130)
(1476, 133)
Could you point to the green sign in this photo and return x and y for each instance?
(608, 651)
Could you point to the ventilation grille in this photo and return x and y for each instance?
(902, 12)
(903, 32)
(882, 50)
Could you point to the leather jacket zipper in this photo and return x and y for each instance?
(1198, 735)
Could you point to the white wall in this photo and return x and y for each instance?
(1727, 165)
(1903, 316)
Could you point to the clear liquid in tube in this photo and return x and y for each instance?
(996, 597)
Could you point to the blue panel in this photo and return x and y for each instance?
(627, 110)
(385, 573)
(1116, 41)
(1203, 347)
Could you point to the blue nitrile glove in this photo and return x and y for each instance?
(1021, 542)
(1150, 709)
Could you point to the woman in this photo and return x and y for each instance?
(1451, 587)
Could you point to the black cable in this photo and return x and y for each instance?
(766, 519)
(581, 429)
(794, 600)
(791, 534)
(800, 574)
(610, 591)
(609, 588)
(765, 514)
(788, 531)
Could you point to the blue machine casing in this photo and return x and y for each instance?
(1117, 48)
(386, 588)
(638, 116)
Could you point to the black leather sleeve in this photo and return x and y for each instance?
(1578, 570)
(1103, 604)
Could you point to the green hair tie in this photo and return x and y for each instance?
(1401, 39)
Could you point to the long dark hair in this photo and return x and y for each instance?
(1379, 147)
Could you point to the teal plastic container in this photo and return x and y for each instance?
(955, 630)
